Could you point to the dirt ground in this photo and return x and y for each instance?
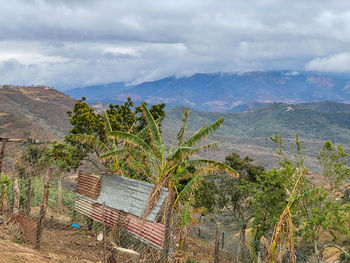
(60, 243)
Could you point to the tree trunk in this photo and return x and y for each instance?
(43, 211)
(317, 252)
(199, 225)
(59, 192)
(2, 152)
(29, 194)
(242, 239)
(217, 243)
(169, 211)
(16, 195)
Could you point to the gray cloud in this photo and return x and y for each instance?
(66, 43)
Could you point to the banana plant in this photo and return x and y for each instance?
(166, 168)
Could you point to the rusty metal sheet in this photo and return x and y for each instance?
(129, 195)
(88, 184)
(151, 233)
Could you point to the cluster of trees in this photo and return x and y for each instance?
(282, 205)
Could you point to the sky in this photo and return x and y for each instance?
(74, 43)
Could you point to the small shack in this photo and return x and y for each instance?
(124, 201)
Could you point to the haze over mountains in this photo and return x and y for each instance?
(220, 92)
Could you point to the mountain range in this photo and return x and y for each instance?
(222, 92)
(40, 113)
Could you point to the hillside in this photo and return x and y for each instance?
(249, 132)
(221, 92)
(35, 112)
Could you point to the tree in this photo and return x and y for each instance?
(5, 184)
(234, 195)
(86, 121)
(322, 208)
(29, 165)
(314, 209)
(166, 168)
(61, 155)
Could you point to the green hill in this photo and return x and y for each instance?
(249, 132)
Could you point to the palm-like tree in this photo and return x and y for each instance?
(166, 168)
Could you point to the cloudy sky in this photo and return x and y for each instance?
(72, 43)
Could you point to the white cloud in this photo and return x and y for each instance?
(75, 43)
(335, 63)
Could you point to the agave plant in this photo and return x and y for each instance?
(166, 168)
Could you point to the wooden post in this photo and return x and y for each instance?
(16, 194)
(104, 232)
(217, 243)
(29, 194)
(59, 191)
(199, 225)
(2, 151)
(222, 240)
(43, 210)
(167, 234)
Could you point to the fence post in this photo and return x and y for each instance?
(217, 243)
(16, 194)
(43, 210)
(222, 240)
(2, 151)
(168, 213)
(29, 194)
(104, 232)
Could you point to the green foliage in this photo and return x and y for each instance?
(173, 168)
(61, 155)
(334, 163)
(269, 200)
(32, 160)
(90, 129)
(5, 186)
(37, 189)
(324, 210)
(191, 260)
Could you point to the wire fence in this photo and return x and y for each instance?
(59, 215)
(80, 220)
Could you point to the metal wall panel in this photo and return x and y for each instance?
(129, 195)
(88, 184)
(151, 233)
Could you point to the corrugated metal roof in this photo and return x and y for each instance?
(151, 233)
(125, 200)
(129, 195)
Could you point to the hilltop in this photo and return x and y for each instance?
(37, 112)
(221, 92)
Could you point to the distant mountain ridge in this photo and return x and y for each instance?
(221, 92)
(248, 132)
